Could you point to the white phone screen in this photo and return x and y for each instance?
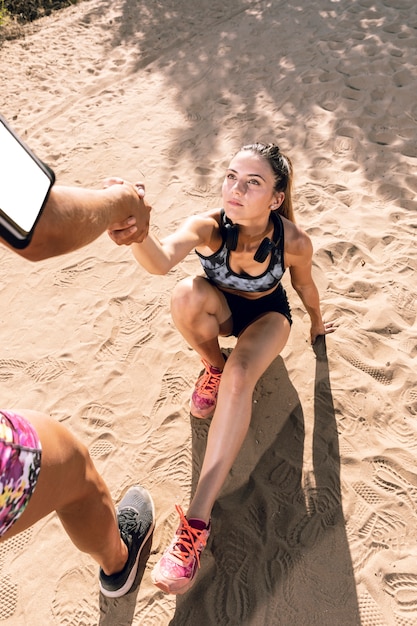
(24, 184)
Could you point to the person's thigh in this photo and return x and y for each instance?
(20, 463)
(63, 477)
(261, 342)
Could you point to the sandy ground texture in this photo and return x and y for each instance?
(317, 523)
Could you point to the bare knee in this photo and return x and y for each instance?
(237, 377)
(189, 296)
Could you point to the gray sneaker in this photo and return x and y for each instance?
(136, 517)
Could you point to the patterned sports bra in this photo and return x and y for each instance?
(217, 268)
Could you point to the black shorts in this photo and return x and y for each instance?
(245, 310)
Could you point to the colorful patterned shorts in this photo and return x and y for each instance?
(20, 463)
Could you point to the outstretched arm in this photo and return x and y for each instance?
(160, 256)
(74, 217)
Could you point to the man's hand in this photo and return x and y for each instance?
(130, 219)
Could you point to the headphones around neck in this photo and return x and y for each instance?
(230, 234)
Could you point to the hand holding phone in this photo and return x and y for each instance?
(25, 183)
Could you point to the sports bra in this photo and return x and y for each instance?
(217, 267)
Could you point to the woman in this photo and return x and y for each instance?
(244, 249)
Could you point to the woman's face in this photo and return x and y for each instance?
(248, 188)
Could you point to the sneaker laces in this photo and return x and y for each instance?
(209, 381)
(128, 523)
(188, 537)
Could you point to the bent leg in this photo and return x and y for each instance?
(69, 484)
(200, 313)
(255, 350)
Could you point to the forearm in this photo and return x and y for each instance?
(159, 257)
(309, 296)
(72, 218)
(151, 255)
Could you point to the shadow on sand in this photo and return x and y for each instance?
(278, 553)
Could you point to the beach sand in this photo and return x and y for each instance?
(317, 522)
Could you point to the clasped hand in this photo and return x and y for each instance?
(134, 227)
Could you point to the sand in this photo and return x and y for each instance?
(317, 523)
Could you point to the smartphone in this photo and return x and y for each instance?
(25, 183)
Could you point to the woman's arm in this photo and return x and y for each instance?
(304, 285)
(160, 256)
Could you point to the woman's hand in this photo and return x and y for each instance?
(325, 328)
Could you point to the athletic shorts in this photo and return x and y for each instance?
(245, 311)
(20, 464)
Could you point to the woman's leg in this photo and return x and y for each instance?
(255, 350)
(69, 484)
(200, 312)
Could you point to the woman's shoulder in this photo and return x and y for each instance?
(196, 220)
(206, 216)
(207, 226)
(208, 220)
(213, 214)
(297, 241)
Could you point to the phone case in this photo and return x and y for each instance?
(9, 229)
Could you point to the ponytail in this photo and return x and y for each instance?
(283, 171)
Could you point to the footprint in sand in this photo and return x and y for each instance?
(382, 529)
(369, 610)
(103, 446)
(86, 269)
(48, 369)
(107, 429)
(404, 300)
(203, 190)
(44, 370)
(9, 596)
(329, 100)
(396, 582)
(310, 193)
(156, 613)
(9, 590)
(97, 417)
(402, 587)
(409, 346)
(234, 580)
(177, 471)
(409, 399)
(10, 368)
(129, 329)
(76, 608)
(383, 375)
(392, 479)
(173, 387)
(117, 346)
(344, 147)
(402, 430)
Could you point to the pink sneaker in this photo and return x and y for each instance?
(204, 398)
(176, 571)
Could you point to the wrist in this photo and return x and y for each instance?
(115, 205)
(143, 240)
(316, 319)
